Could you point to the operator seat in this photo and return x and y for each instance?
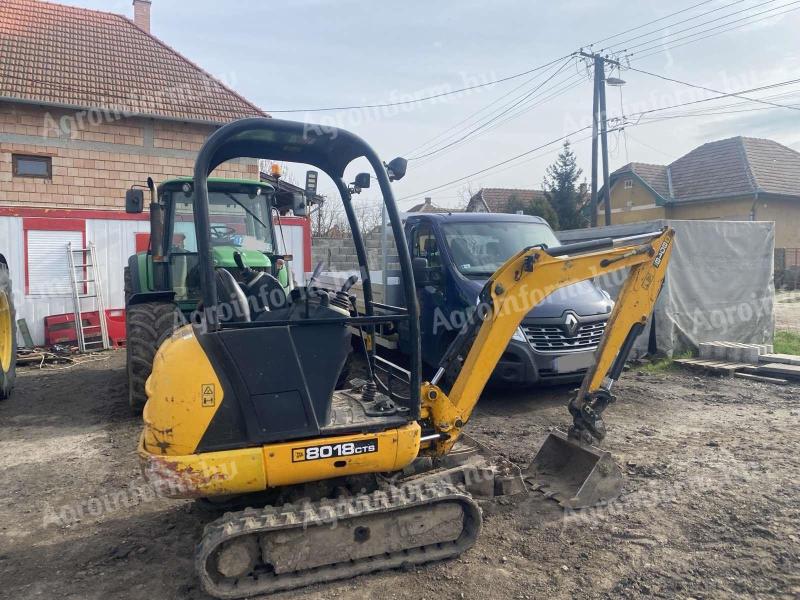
(265, 293)
(232, 302)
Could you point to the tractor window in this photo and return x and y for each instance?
(425, 245)
(237, 219)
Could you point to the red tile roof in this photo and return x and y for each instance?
(497, 199)
(429, 207)
(66, 56)
(653, 175)
(734, 166)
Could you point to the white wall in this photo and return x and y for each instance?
(115, 241)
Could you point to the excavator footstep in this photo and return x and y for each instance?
(574, 474)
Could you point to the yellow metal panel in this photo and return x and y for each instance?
(254, 469)
(288, 464)
(204, 475)
(183, 394)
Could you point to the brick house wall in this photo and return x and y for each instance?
(95, 160)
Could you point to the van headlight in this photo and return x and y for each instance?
(519, 335)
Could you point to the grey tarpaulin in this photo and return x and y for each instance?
(719, 283)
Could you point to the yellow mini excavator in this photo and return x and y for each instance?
(242, 408)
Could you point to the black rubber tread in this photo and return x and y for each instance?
(326, 513)
(147, 325)
(7, 378)
(127, 284)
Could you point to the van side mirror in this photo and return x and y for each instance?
(134, 201)
(419, 266)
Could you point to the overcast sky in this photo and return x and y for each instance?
(319, 53)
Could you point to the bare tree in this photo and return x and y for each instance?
(326, 219)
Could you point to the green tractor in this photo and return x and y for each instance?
(162, 285)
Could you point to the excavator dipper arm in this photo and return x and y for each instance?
(516, 288)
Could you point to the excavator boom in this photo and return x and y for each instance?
(567, 466)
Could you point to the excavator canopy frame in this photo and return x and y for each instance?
(331, 150)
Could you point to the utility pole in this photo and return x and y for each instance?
(604, 140)
(595, 109)
(599, 115)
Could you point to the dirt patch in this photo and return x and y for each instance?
(711, 505)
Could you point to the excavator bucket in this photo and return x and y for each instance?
(576, 475)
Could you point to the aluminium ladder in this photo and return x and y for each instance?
(86, 285)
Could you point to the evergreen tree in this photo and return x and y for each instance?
(561, 189)
(537, 208)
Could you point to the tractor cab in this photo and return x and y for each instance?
(241, 235)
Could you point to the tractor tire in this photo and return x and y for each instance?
(8, 335)
(147, 326)
(127, 282)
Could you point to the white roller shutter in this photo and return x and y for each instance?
(48, 266)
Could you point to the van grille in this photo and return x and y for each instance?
(554, 338)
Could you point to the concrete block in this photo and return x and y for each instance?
(785, 359)
(706, 350)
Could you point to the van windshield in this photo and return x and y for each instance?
(479, 249)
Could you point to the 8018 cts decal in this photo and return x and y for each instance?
(334, 450)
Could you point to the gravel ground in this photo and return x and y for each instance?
(711, 507)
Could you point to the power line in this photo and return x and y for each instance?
(503, 162)
(445, 132)
(712, 90)
(611, 37)
(723, 28)
(494, 118)
(613, 129)
(424, 98)
(720, 18)
(522, 109)
(469, 117)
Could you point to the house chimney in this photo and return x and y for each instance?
(427, 201)
(141, 14)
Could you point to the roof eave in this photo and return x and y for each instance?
(125, 114)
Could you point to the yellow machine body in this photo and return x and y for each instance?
(181, 404)
(184, 391)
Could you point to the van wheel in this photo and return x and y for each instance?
(8, 335)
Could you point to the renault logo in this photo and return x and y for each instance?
(571, 324)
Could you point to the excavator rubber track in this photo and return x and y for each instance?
(262, 551)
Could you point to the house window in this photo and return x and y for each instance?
(628, 184)
(40, 167)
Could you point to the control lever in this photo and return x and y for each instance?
(246, 271)
(351, 281)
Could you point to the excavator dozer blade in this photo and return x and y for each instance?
(574, 474)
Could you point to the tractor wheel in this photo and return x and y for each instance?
(148, 325)
(8, 335)
(127, 282)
